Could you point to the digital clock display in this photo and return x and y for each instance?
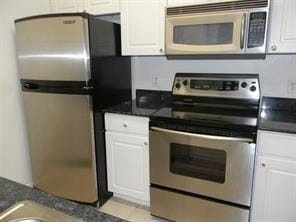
(214, 85)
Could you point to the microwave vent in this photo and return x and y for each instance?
(213, 7)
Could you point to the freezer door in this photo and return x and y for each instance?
(61, 138)
(53, 48)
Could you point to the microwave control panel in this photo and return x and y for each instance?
(257, 26)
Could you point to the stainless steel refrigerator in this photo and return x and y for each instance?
(70, 69)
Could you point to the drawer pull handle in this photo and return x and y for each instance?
(146, 143)
(263, 164)
(124, 125)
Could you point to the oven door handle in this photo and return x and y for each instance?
(224, 138)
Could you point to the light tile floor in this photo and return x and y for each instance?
(128, 211)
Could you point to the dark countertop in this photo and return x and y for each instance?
(12, 192)
(278, 114)
(146, 103)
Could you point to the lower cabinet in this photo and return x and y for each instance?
(275, 191)
(274, 194)
(128, 164)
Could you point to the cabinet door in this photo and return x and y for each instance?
(274, 196)
(142, 27)
(61, 6)
(282, 34)
(100, 7)
(128, 165)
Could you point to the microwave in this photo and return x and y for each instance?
(229, 27)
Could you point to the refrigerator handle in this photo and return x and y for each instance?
(30, 86)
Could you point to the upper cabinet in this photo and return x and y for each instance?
(100, 7)
(172, 3)
(142, 27)
(282, 33)
(63, 6)
(95, 7)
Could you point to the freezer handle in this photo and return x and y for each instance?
(31, 86)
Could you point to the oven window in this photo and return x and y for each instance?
(198, 162)
(204, 34)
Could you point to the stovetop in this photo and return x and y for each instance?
(211, 103)
(207, 116)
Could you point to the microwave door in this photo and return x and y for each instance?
(217, 33)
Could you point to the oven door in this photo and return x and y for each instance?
(216, 33)
(212, 166)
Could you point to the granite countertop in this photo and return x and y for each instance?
(278, 114)
(12, 192)
(146, 103)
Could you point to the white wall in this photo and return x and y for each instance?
(275, 72)
(14, 157)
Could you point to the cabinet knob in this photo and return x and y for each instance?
(263, 164)
(124, 125)
(274, 48)
(161, 50)
(146, 143)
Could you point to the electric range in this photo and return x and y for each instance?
(202, 148)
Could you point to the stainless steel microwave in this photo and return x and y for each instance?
(229, 27)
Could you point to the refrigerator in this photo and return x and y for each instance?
(71, 70)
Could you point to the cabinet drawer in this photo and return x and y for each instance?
(126, 123)
(274, 143)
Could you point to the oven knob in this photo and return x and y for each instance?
(253, 88)
(178, 85)
(185, 82)
(244, 84)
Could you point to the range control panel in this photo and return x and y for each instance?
(217, 85)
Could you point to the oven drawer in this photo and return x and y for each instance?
(212, 166)
(126, 123)
(183, 208)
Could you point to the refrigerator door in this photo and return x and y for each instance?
(53, 48)
(62, 144)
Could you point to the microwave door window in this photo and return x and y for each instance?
(198, 162)
(204, 34)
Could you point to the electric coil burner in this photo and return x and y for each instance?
(202, 148)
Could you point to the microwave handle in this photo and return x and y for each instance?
(233, 139)
(242, 33)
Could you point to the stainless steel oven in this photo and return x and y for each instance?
(202, 149)
(231, 27)
(215, 166)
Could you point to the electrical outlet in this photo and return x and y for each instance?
(155, 80)
(292, 86)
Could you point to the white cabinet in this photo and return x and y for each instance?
(142, 27)
(100, 7)
(95, 7)
(275, 190)
(172, 3)
(282, 30)
(274, 194)
(127, 151)
(64, 6)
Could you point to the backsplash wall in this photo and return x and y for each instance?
(277, 73)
